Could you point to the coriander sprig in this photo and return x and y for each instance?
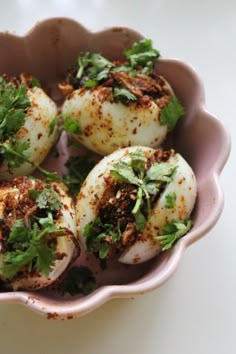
(15, 155)
(134, 172)
(172, 231)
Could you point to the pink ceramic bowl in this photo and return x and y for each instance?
(46, 52)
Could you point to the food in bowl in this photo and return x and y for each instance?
(135, 204)
(120, 103)
(62, 39)
(38, 232)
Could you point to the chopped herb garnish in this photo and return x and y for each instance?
(147, 183)
(48, 199)
(170, 200)
(71, 125)
(94, 69)
(79, 280)
(171, 113)
(15, 152)
(162, 171)
(134, 172)
(99, 236)
(142, 53)
(53, 124)
(14, 104)
(78, 169)
(29, 247)
(124, 94)
(172, 231)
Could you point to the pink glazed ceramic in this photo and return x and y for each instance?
(46, 52)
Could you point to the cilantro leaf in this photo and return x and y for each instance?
(28, 247)
(171, 113)
(123, 172)
(123, 93)
(14, 104)
(138, 160)
(71, 125)
(18, 235)
(93, 68)
(142, 53)
(45, 258)
(15, 152)
(172, 231)
(152, 188)
(99, 61)
(90, 83)
(99, 236)
(83, 62)
(162, 171)
(53, 124)
(49, 199)
(79, 279)
(170, 200)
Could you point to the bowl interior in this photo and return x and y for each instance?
(48, 50)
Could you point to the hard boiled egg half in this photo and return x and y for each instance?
(35, 131)
(37, 232)
(108, 123)
(135, 204)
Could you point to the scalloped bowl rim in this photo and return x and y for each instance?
(74, 308)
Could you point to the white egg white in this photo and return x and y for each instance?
(107, 126)
(65, 244)
(183, 184)
(35, 131)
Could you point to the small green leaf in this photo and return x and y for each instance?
(83, 61)
(53, 124)
(170, 200)
(103, 250)
(152, 188)
(45, 259)
(90, 83)
(122, 93)
(124, 173)
(15, 152)
(33, 193)
(142, 53)
(71, 125)
(171, 113)
(172, 231)
(49, 199)
(138, 160)
(162, 171)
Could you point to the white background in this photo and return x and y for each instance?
(195, 312)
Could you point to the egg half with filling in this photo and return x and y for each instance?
(37, 232)
(26, 113)
(135, 204)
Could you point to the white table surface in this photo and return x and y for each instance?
(195, 312)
